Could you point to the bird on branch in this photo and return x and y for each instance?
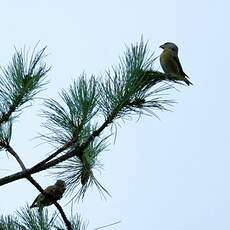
(53, 193)
(170, 62)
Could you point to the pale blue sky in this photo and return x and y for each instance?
(171, 173)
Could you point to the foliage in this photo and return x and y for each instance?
(28, 219)
(21, 81)
(79, 124)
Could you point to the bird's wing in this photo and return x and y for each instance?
(176, 59)
(41, 199)
(50, 189)
(169, 63)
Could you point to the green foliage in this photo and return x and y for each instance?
(27, 219)
(76, 125)
(130, 87)
(20, 81)
(79, 171)
(34, 220)
(77, 223)
(66, 122)
(9, 223)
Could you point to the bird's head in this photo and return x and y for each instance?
(171, 47)
(61, 184)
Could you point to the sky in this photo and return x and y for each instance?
(168, 173)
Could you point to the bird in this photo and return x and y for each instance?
(170, 62)
(54, 193)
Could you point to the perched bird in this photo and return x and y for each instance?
(170, 62)
(54, 193)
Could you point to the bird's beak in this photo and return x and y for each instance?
(162, 46)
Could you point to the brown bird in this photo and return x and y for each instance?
(54, 193)
(170, 62)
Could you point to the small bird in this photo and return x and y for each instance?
(170, 62)
(54, 192)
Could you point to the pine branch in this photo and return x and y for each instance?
(80, 170)
(58, 206)
(133, 81)
(29, 177)
(28, 219)
(21, 81)
(130, 89)
(79, 152)
(76, 222)
(9, 223)
(66, 121)
(5, 134)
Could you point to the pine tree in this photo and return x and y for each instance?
(78, 125)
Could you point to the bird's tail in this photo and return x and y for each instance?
(33, 206)
(187, 81)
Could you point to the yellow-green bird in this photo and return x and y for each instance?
(170, 62)
(55, 192)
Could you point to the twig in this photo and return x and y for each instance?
(32, 181)
(60, 150)
(5, 116)
(108, 225)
